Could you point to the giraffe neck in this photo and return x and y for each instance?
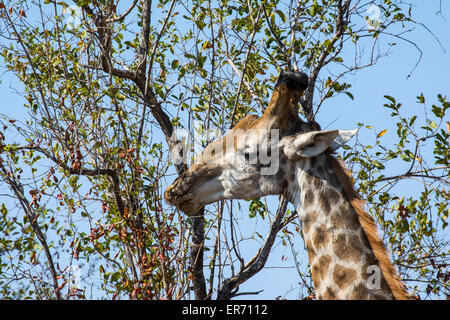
(344, 258)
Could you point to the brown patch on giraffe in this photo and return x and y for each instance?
(308, 198)
(370, 229)
(328, 197)
(315, 273)
(343, 276)
(342, 219)
(324, 202)
(316, 281)
(310, 250)
(283, 163)
(365, 242)
(348, 247)
(359, 293)
(317, 183)
(332, 178)
(281, 174)
(308, 220)
(308, 180)
(311, 256)
(320, 237)
(320, 269)
(329, 294)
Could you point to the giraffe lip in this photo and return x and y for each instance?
(183, 192)
(189, 208)
(184, 204)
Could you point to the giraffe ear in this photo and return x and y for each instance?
(342, 138)
(309, 144)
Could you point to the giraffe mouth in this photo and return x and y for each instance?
(179, 194)
(185, 203)
(190, 207)
(194, 189)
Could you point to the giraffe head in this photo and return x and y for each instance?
(256, 158)
(279, 153)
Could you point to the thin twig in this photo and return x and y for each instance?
(258, 261)
(122, 16)
(245, 67)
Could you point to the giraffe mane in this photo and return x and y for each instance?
(370, 229)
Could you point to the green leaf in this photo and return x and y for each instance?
(199, 22)
(438, 112)
(257, 207)
(390, 98)
(115, 276)
(421, 98)
(175, 64)
(349, 95)
(281, 14)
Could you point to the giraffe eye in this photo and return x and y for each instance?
(247, 155)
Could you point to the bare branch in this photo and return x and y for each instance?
(258, 261)
(122, 16)
(321, 61)
(250, 46)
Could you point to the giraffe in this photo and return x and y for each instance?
(347, 257)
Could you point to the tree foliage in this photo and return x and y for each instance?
(106, 84)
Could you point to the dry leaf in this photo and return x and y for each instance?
(76, 165)
(382, 133)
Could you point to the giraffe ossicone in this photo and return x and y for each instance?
(347, 258)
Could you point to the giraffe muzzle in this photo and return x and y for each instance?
(186, 191)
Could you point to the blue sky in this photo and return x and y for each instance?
(388, 77)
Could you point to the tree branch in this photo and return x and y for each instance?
(258, 261)
(281, 45)
(245, 67)
(18, 190)
(309, 94)
(122, 16)
(140, 78)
